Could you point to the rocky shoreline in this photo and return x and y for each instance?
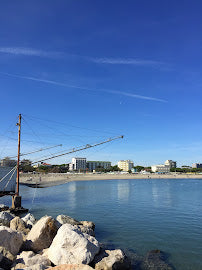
(63, 243)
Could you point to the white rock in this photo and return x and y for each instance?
(88, 224)
(36, 267)
(116, 259)
(29, 219)
(10, 239)
(31, 259)
(70, 246)
(19, 225)
(63, 219)
(42, 234)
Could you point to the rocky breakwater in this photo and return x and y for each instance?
(58, 244)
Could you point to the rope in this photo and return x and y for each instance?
(10, 178)
(73, 126)
(14, 168)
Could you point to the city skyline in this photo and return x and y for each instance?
(109, 68)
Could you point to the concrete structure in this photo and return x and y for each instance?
(93, 165)
(77, 164)
(7, 162)
(161, 168)
(197, 165)
(125, 165)
(171, 163)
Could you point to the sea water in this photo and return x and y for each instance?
(141, 215)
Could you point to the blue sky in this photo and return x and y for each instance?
(98, 69)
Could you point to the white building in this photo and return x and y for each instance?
(93, 165)
(7, 162)
(77, 164)
(171, 163)
(125, 165)
(160, 168)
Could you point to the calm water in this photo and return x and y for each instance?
(135, 214)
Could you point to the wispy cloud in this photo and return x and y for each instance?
(124, 61)
(134, 95)
(99, 60)
(29, 52)
(109, 91)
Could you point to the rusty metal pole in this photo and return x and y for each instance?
(18, 162)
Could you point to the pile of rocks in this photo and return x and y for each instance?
(59, 244)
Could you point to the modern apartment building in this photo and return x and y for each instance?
(125, 165)
(93, 165)
(197, 165)
(160, 168)
(171, 163)
(77, 164)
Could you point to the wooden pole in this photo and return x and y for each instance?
(18, 161)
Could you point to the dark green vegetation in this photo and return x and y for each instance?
(186, 170)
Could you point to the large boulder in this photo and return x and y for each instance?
(30, 259)
(5, 218)
(63, 219)
(10, 239)
(30, 220)
(42, 234)
(19, 225)
(113, 260)
(6, 258)
(70, 246)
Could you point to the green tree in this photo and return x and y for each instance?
(139, 168)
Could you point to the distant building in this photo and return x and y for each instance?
(93, 165)
(171, 163)
(45, 164)
(197, 165)
(125, 165)
(133, 170)
(160, 168)
(77, 164)
(7, 162)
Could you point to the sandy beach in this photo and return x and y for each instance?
(52, 179)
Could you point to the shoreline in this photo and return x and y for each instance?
(48, 180)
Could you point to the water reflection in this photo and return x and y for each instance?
(138, 214)
(72, 201)
(161, 194)
(123, 191)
